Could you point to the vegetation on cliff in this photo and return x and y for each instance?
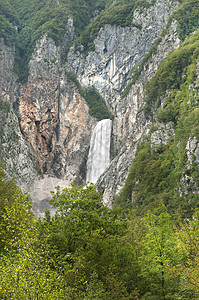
(120, 13)
(97, 106)
(8, 20)
(187, 18)
(22, 23)
(165, 173)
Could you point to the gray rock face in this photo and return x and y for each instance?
(192, 148)
(8, 86)
(130, 123)
(162, 134)
(46, 145)
(118, 49)
(196, 153)
(55, 127)
(15, 152)
(54, 119)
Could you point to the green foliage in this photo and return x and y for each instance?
(24, 272)
(97, 106)
(52, 22)
(71, 76)
(86, 251)
(156, 175)
(187, 16)
(7, 21)
(8, 190)
(8, 12)
(171, 73)
(82, 12)
(84, 242)
(11, 198)
(188, 240)
(82, 211)
(159, 251)
(149, 180)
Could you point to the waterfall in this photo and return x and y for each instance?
(99, 153)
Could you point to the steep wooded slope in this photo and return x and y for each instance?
(166, 163)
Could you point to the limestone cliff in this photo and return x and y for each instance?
(51, 139)
(130, 122)
(117, 51)
(49, 116)
(54, 118)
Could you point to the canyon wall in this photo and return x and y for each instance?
(47, 132)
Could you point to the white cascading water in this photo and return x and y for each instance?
(99, 152)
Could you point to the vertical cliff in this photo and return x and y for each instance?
(119, 51)
(47, 118)
(47, 143)
(130, 123)
(54, 119)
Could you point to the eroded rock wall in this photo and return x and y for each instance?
(130, 124)
(119, 49)
(55, 120)
(54, 124)
(15, 152)
(47, 126)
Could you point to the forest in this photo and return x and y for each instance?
(87, 251)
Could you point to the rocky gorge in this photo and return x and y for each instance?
(46, 124)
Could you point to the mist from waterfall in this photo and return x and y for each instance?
(99, 152)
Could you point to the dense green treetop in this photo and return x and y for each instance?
(87, 251)
(8, 19)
